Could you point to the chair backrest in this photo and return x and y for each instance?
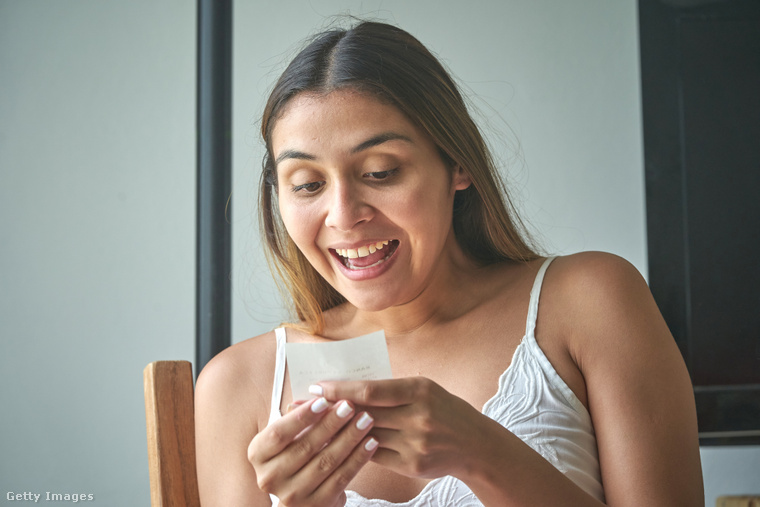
(169, 415)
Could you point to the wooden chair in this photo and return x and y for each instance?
(169, 416)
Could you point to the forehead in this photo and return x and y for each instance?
(340, 118)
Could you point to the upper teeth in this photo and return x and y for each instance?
(362, 251)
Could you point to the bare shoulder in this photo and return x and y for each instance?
(240, 376)
(598, 292)
(607, 315)
(595, 274)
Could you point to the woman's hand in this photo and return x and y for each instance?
(423, 430)
(308, 457)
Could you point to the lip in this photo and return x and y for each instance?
(365, 273)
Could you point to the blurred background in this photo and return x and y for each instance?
(97, 194)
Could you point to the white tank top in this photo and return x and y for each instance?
(532, 402)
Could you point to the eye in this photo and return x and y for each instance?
(381, 175)
(308, 188)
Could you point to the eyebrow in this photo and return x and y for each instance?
(380, 139)
(294, 154)
(369, 143)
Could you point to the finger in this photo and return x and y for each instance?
(392, 418)
(313, 439)
(391, 439)
(337, 451)
(307, 461)
(341, 477)
(280, 434)
(388, 458)
(370, 393)
(292, 406)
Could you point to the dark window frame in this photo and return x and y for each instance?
(728, 413)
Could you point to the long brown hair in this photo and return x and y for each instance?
(392, 65)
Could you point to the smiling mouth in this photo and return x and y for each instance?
(367, 256)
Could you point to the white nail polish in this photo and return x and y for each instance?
(319, 406)
(343, 409)
(371, 444)
(364, 421)
(316, 390)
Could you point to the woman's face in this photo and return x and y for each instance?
(364, 195)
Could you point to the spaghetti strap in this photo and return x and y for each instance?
(279, 375)
(530, 325)
(278, 386)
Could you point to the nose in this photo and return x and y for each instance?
(347, 207)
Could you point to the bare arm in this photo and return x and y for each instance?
(639, 392)
(227, 408)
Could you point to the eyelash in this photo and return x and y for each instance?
(305, 186)
(376, 175)
(385, 174)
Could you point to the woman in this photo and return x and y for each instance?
(382, 210)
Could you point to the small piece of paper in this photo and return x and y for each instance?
(362, 358)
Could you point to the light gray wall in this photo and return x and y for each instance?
(97, 191)
(97, 163)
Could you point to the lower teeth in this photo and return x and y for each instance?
(356, 268)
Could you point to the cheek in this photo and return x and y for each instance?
(428, 207)
(300, 222)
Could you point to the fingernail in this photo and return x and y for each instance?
(319, 406)
(343, 409)
(364, 421)
(316, 390)
(371, 444)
